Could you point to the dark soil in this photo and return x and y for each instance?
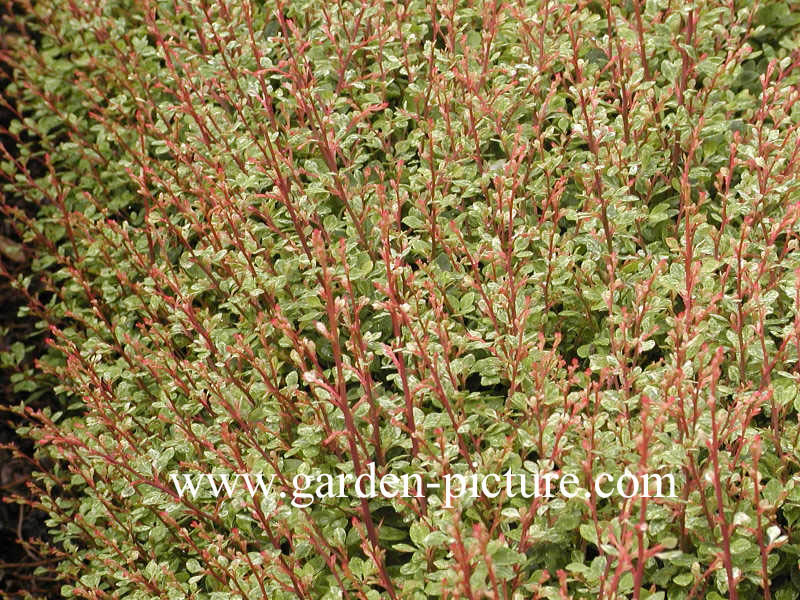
(24, 572)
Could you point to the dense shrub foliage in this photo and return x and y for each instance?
(443, 237)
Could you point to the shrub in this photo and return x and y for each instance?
(443, 238)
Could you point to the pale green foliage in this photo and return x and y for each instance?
(533, 205)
